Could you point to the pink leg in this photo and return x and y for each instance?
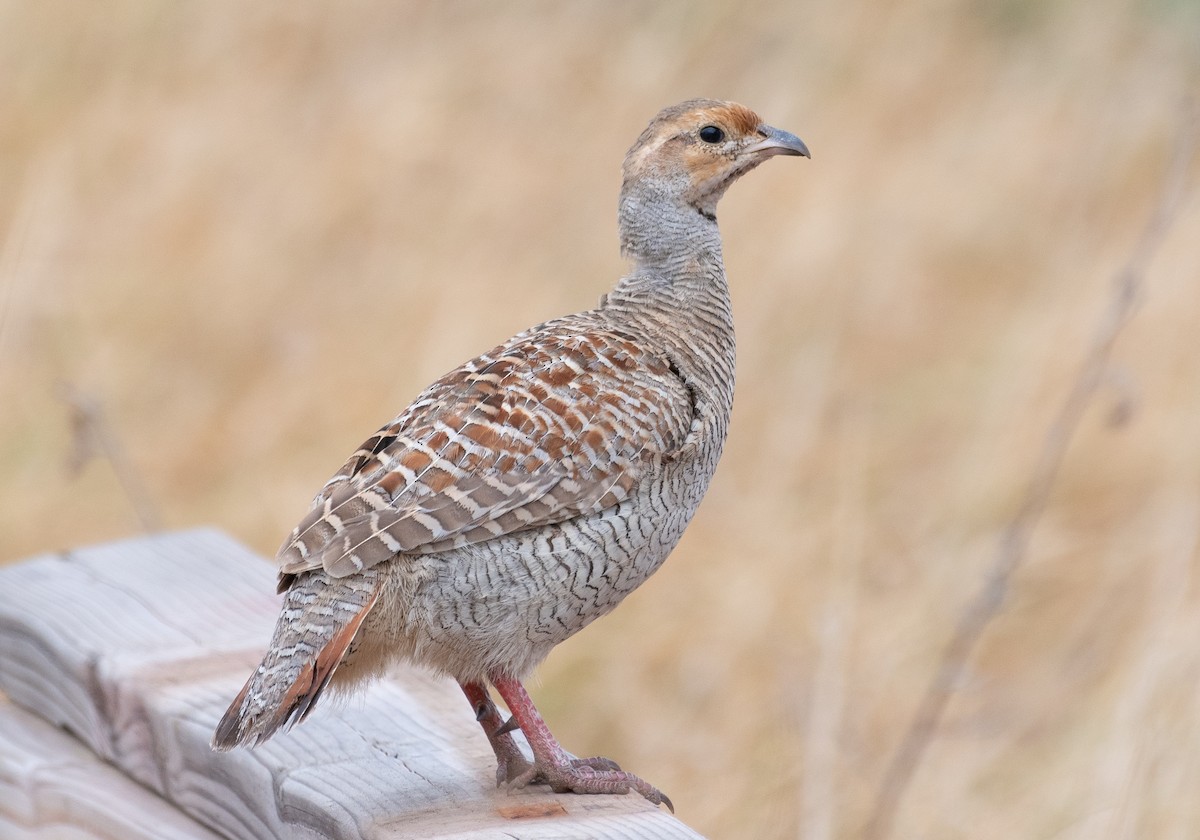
(510, 763)
(557, 767)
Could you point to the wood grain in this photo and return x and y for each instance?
(135, 648)
(52, 786)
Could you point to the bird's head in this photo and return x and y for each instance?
(691, 152)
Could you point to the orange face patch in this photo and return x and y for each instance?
(738, 119)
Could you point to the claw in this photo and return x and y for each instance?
(508, 726)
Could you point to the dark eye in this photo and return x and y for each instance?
(711, 134)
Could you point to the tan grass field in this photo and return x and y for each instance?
(251, 233)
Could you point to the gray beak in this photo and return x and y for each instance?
(776, 141)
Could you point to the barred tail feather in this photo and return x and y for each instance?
(321, 617)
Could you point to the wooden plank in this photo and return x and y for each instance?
(52, 786)
(137, 647)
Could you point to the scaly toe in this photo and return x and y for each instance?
(511, 768)
(511, 763)
(597, 762)
(597, 775)
(530, 775)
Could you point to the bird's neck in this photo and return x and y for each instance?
(677, 280)
(675, 251)
(662, 234)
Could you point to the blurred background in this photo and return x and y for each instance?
(235, 239)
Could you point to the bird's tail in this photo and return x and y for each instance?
(320, 618)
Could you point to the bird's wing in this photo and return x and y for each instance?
(548, 426)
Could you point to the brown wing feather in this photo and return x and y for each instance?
(541, 429)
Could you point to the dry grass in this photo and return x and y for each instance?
(252, 233)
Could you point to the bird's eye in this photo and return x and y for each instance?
(711, 134)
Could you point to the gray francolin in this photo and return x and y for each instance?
(523, 495)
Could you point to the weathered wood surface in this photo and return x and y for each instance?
(52, 786)
(136, 648)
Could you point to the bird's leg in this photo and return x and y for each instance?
(510, 762)
(557, 767)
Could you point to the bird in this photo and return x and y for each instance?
(524, 494)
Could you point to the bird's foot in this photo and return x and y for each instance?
(588, 775)
(554, 766)
(596, 763)
(511, 763)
